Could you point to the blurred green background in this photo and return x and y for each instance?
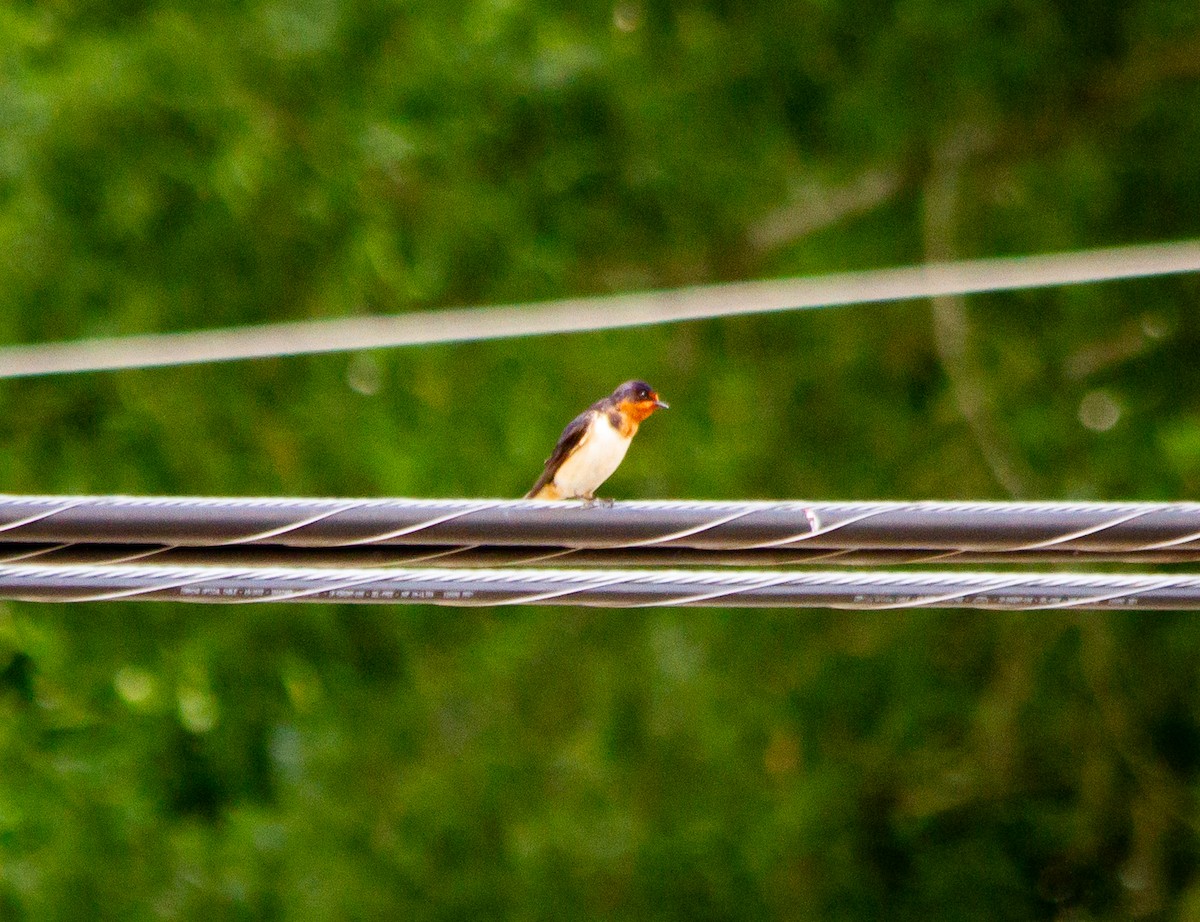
(178, 166)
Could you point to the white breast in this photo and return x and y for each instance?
(593, 462)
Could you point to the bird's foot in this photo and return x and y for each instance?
(590, 501)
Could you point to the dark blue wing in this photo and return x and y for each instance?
(567, 443)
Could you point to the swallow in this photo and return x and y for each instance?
(594, 443)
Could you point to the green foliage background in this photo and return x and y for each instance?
(188, 165)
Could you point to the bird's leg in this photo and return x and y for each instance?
(606, 502)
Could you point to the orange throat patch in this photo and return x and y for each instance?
(632, 413)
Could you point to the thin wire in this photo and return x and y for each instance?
(579, 315)
(487, 556)
(607, 588)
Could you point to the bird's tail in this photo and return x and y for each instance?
(546, 490)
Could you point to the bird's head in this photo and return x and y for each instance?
(637, 400)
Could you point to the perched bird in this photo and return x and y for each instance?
(594, 443)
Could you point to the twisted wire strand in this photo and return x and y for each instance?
(608, 588)
(1119, 530)
(485, 556)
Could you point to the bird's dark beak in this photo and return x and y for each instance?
(661, 404)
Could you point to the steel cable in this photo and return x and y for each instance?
(609, 588)
(991, 528)
(269, 555)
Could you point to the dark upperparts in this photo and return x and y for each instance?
(629, 404)
(634, 392)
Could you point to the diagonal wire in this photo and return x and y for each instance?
(605, 312)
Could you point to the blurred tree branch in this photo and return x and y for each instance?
(951, 321)
(815, 207)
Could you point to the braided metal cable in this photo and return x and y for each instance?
(943, 528)
(268, 555)
(609, 588)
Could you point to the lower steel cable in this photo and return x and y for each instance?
(604, 588)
